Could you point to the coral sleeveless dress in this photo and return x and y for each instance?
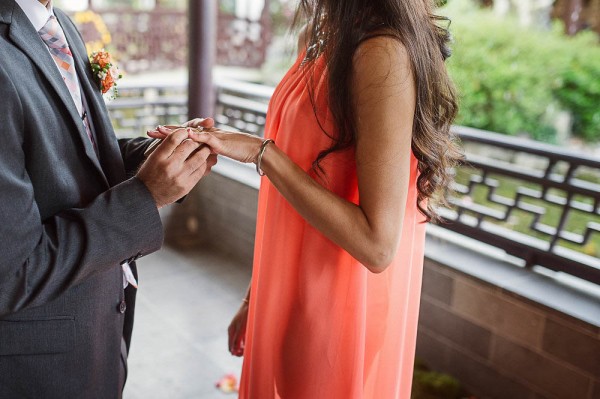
(320, 325)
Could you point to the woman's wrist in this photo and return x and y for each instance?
(259, 156)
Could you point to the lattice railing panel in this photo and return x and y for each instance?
(538, 202)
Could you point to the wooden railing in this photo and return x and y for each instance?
(538, 202)
(158, 39)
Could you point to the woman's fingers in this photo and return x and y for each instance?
(200, 122)
(231, 335)
(237, 332)
(155, 134)
(239, 343)
(215, 144)
(161, 132)
(203, 137)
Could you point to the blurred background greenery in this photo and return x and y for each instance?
(520, 80)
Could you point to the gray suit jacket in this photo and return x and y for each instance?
(68, 218)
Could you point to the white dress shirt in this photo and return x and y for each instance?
(37, 13)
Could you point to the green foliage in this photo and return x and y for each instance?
(512, 79)
(584, 72)
(431, 385)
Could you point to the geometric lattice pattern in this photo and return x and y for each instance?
(138, 109)
(536, 201)
(241, 107)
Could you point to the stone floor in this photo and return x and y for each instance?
(185, 302)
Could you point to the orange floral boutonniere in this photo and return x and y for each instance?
(106, 71)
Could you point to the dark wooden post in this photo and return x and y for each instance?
(573, 16)
(202, 55)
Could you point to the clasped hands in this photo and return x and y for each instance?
(187, 153)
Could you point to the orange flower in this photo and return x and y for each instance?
(107, 83)
(106, 73)
(102, 58)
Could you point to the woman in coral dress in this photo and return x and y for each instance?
(360, 145)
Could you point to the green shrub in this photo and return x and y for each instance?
(511, 79)
(580, 89)
(431, 385)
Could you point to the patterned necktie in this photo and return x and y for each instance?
(54, 37)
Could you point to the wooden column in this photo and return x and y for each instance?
(202, 56)
(573, 16)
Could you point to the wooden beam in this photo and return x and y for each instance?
(202, 55)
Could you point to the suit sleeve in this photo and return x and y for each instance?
(132, 151)
(40, 259)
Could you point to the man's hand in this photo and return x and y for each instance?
(174, 168)
(197, 123)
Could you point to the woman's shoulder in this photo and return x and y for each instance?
(381, 46)
(381, 38)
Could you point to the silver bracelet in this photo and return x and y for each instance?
(263, 147)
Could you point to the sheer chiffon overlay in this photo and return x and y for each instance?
(321, 326)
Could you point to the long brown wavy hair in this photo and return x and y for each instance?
(346, 24)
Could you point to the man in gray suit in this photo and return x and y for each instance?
(71, 221)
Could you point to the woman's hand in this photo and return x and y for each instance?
(237, 331)
(242, 147)
(197, 123)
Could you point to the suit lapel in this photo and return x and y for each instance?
(110, 154)
(27, 39)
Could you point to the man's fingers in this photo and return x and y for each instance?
(184, 151)
(210, 162)
(197, 162)
(212, 159)
(169, 144)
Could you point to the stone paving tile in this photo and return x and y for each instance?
(184, 305)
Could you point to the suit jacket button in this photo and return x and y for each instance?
(122, 307)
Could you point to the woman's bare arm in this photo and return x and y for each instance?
(384, 99)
